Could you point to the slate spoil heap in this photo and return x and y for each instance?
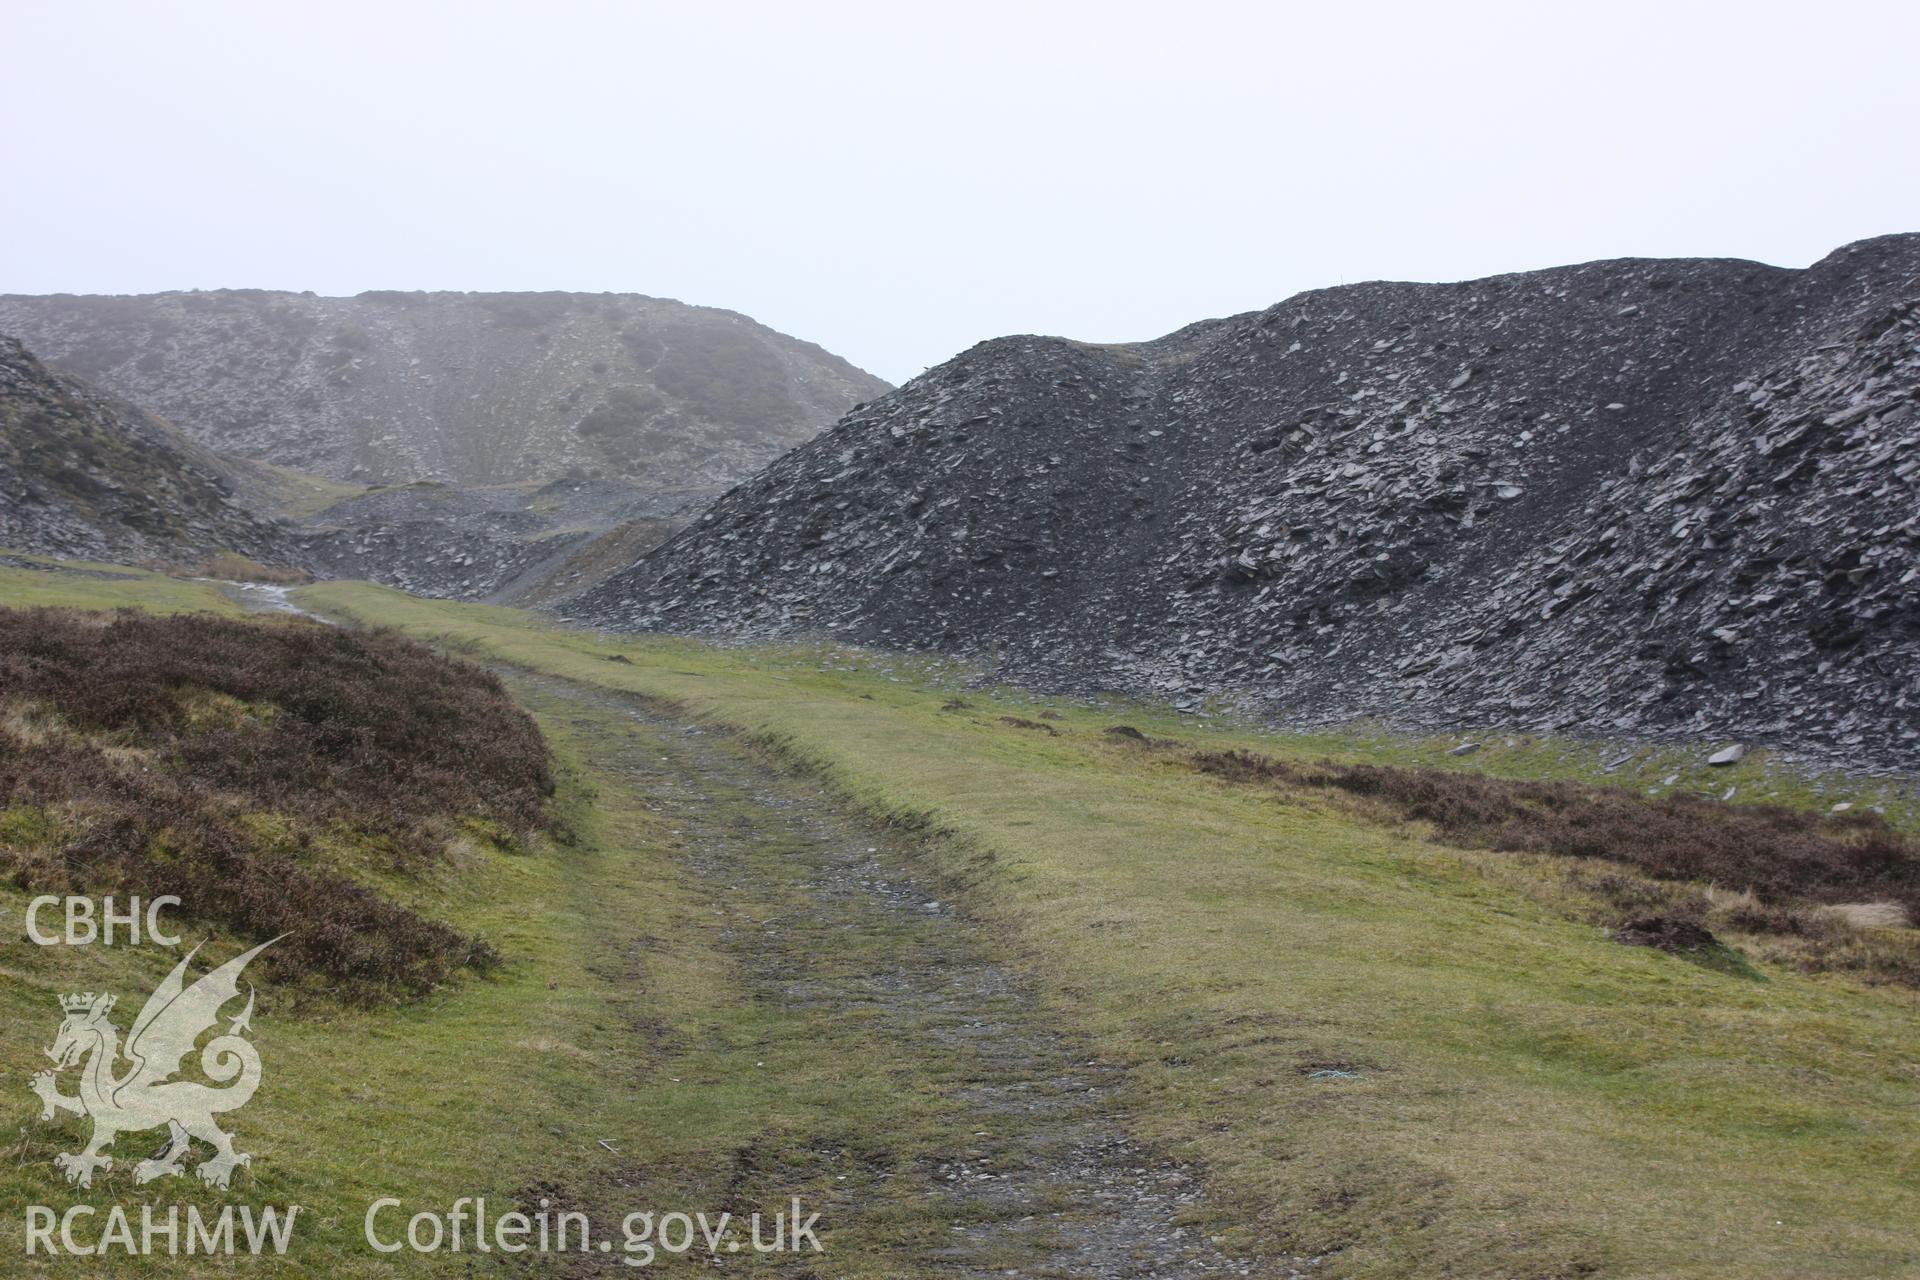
(85, 476)
(1631, 497)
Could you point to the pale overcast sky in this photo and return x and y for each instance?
(898, 181)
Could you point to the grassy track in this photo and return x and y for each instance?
(1519, 1095)
(504, 1087)
(1420, 1061)
(638, 1049)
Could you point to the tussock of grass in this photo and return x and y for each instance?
(144, 752)
(1873, 915)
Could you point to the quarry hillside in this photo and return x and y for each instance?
(389, 387)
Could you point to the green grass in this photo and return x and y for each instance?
(1517, 1095)
(617, 1019)
(1527, 1097)
(618, 1060)
(475, 1091)
(491, 1087)
(358, 1104)
(83, 585)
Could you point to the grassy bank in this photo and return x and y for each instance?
(29, 581)
(541, 1079)
(1421, 1060)
(363, 1103)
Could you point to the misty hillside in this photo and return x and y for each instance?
(471, 388)
(85, 476)
(1678, 496)
(500, 543)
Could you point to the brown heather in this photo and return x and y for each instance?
(220, 760)
(1786, 865)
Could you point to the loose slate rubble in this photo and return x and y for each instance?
(84, 476)
(478, 544)
(1666, 498)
